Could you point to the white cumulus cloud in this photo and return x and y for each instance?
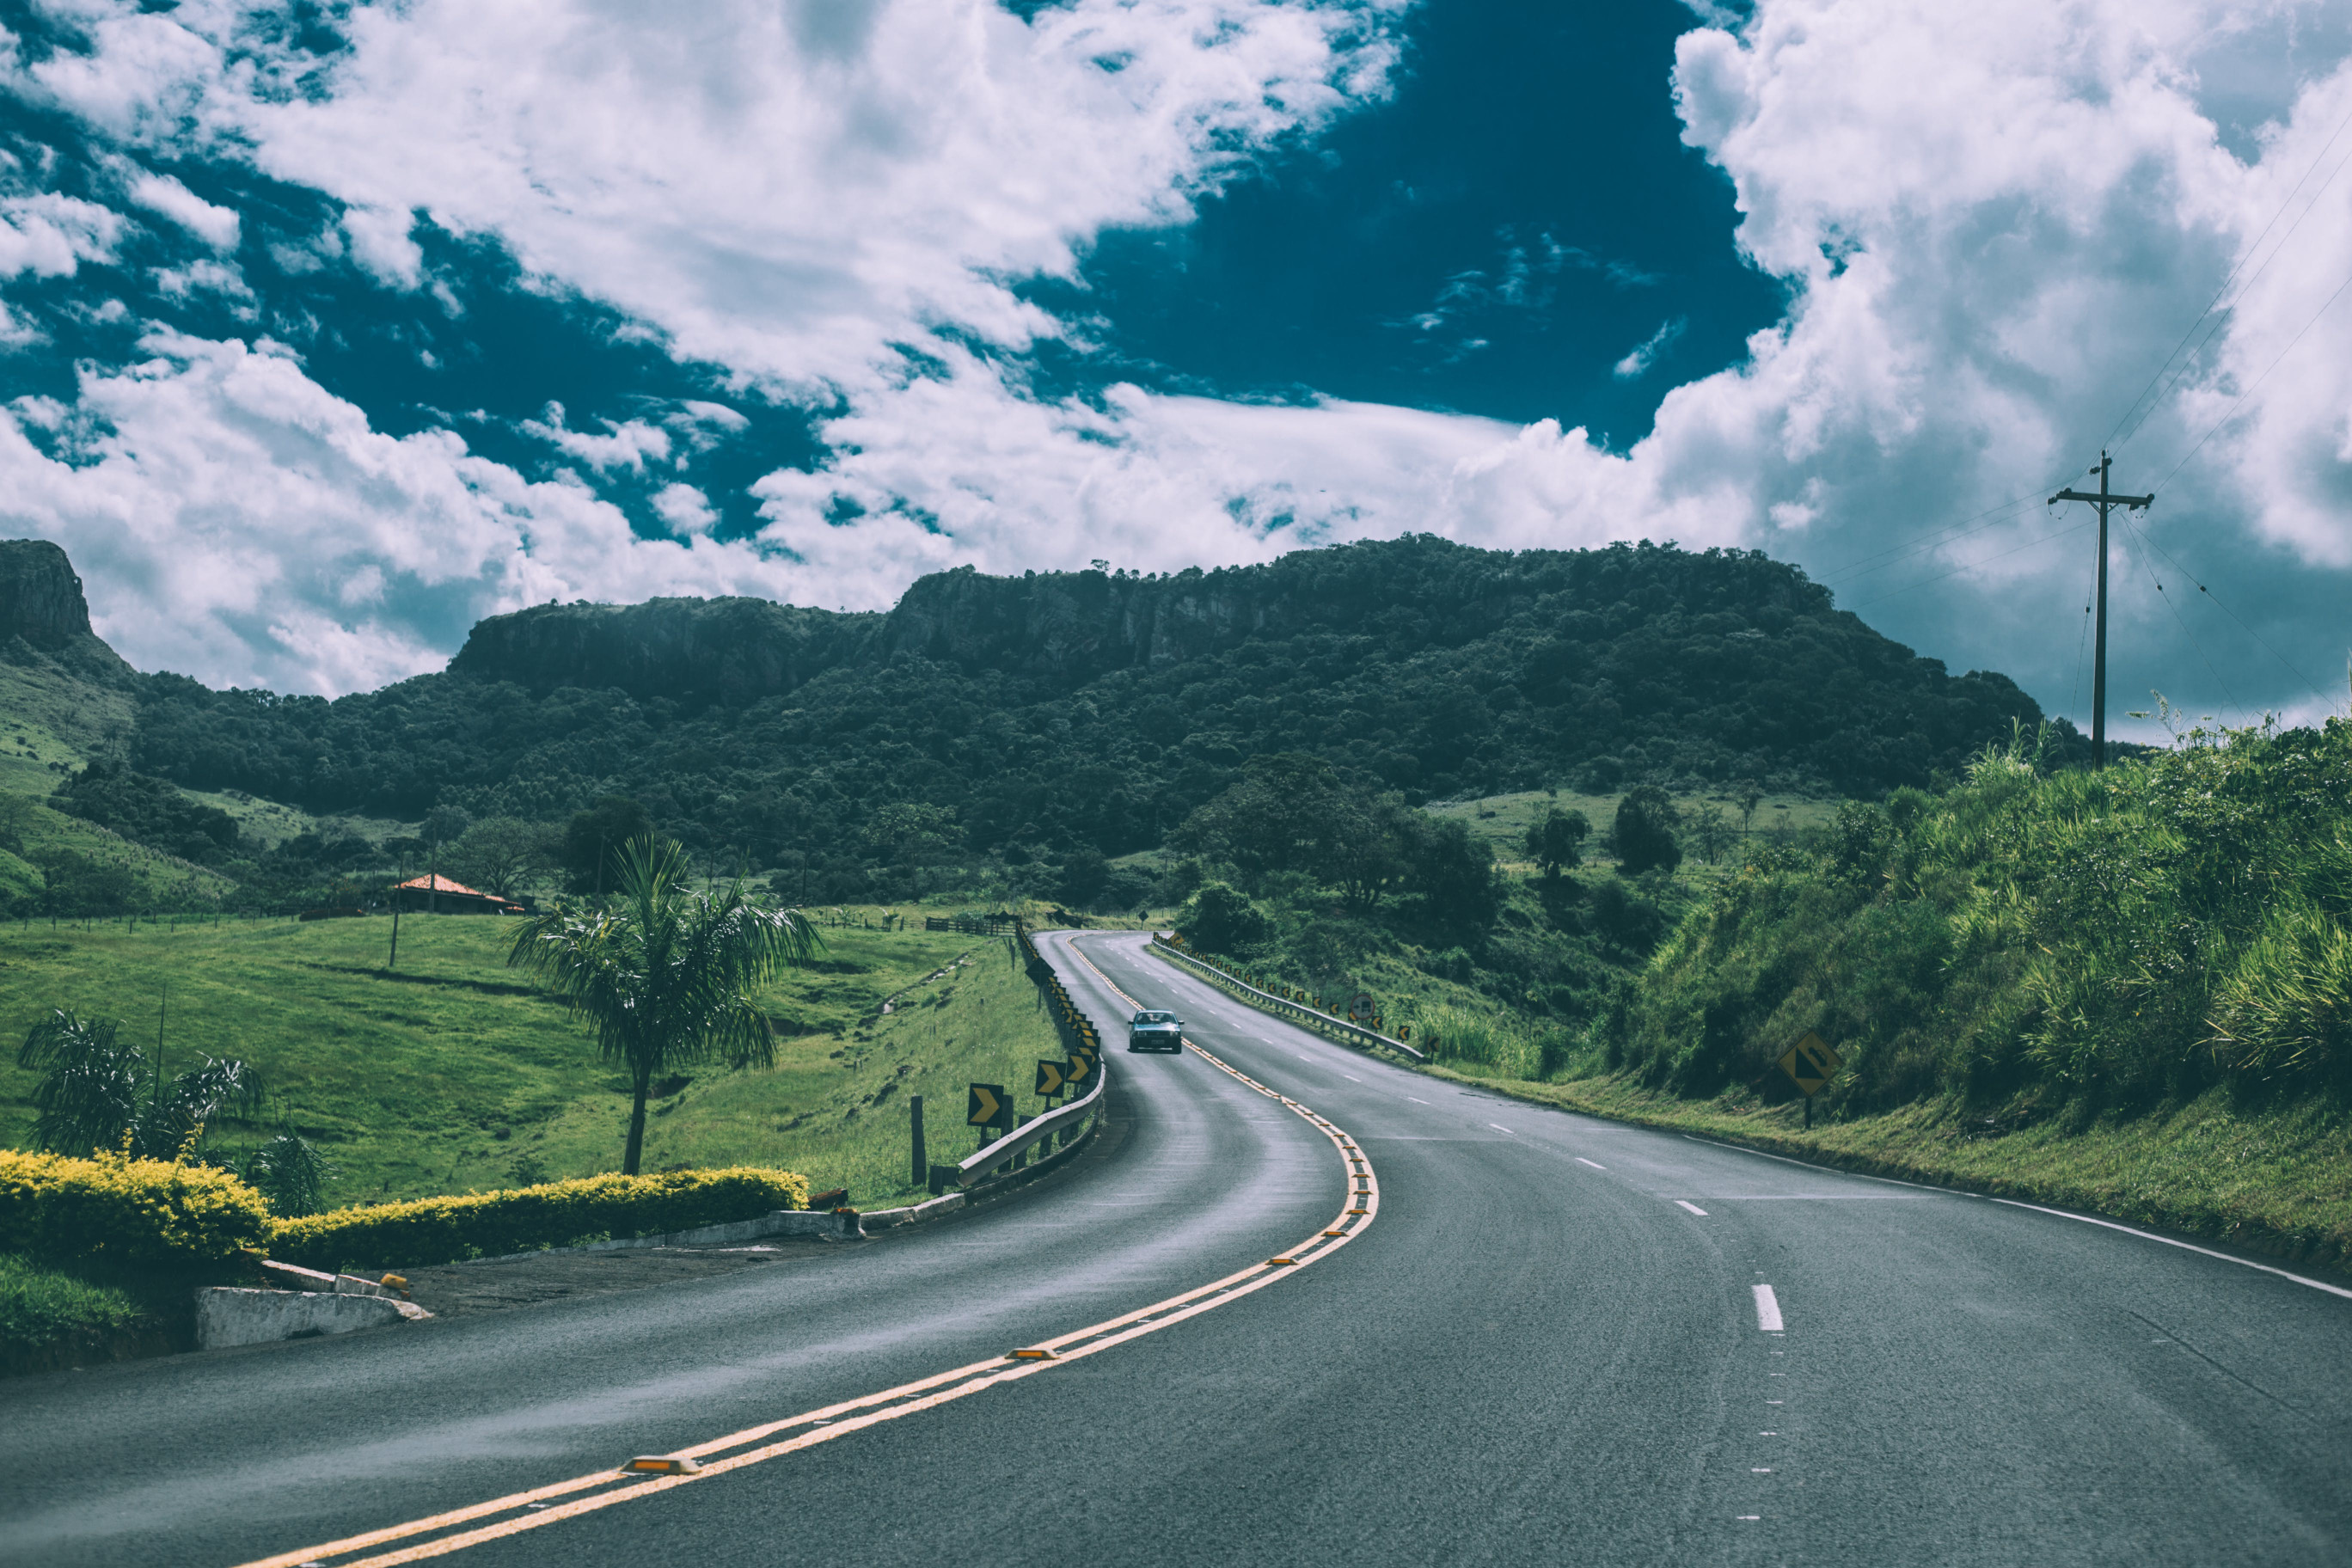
(1994, 222)
(161, 193)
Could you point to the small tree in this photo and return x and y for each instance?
(98, 1089)
(665, 974)
(1643, 836)
(289, 1171)
(499, 853)
(1556, 839)
(1708, 829)
(592, 840)
(1221, 918)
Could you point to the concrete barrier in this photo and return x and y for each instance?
(227, 1316)
(914, 1214)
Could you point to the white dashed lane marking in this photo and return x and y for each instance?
(1768, 1312)
(1594, 1164)
(1692, 1207)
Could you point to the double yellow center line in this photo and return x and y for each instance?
(442, 1533)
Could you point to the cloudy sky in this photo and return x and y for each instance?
(326, 329)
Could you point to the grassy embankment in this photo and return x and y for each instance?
(458, 1074)
(2275, 1179)
(2128, 991)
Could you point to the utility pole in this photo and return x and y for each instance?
(2103, 500)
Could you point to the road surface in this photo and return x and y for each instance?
(1555, 1339)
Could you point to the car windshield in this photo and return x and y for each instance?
(1155, 1018)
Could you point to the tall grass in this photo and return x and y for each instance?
(2120, 939)
(40, 1305)
(1488, 1043)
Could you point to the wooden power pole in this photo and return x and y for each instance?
(2103, 500)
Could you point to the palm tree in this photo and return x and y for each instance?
(99, 1091)
(664, 974)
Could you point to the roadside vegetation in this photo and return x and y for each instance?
(2130, 990)
(456, 1072)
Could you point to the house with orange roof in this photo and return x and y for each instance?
(442, 895)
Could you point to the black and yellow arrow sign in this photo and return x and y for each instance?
(1811, 1064)
(1051, 1076)
(986, 1106)
(1078, 1072)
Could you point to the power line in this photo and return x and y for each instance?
(1863, 566)
(2231, 412)
(2075, 692)
(2251, 251)
(2215, 600)
(2131, 541)
(1971, 566)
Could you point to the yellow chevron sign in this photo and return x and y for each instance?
(1811, 1064)
(1051, 1077)
(985, 1107)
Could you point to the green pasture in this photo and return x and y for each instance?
(454, 1073)
(1504, 820)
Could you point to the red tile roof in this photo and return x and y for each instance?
(439, 884)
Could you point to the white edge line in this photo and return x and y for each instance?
(1768, 1310)
(1692, 1207)
(2037, 1208)
(1828, 1170)
(2185, 1247)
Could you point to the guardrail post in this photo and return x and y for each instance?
(920, 1164)
(1021, 1157)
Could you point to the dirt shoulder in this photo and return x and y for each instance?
(501, 1284)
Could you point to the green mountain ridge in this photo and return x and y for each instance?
(1096, 709)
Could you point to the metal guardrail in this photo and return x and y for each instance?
(1282, 1004)
(1021, 1138)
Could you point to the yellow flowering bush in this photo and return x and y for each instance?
(144, 1211)
(555, 1214)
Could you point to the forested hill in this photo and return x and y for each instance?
(1091, 709)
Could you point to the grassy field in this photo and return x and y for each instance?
(1502, 820)
(458, 1074)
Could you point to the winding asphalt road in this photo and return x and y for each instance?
(1556, 1338)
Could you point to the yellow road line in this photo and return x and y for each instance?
(869, 1410)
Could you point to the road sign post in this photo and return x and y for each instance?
(921, 1164)
(1810, 1064)
(987, 1106)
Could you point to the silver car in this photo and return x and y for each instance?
(1150, 1031)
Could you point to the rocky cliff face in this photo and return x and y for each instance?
(693, 651)
(40, 597)
(1078, 625)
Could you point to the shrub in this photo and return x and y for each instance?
(1643, 836)
(479, 1224)
(150, 1213)
(1222, 918)
(41, 1306)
